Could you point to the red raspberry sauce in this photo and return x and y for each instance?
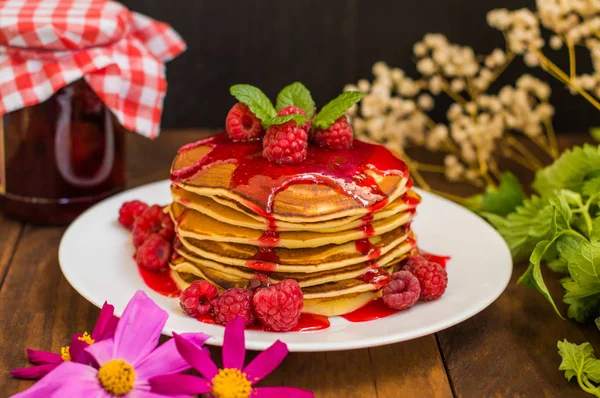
(161, 282)
(306, 323)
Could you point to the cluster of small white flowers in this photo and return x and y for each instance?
(522, 31)
(436, 56)
(573, 20)
(388, 115)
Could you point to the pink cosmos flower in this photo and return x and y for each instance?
(125, 362)
(48, 361)
(234, 380)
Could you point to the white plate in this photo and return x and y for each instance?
(96, 258)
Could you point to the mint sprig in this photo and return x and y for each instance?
(255, 99)
(296, 94)
(277, 120)
(336, 109)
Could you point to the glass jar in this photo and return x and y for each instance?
(59, 157)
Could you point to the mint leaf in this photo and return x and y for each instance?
(505, 198)
(296, 94)
(299, 119)
(584, 265)
(256, 100)
(336, 109)
(525, 227)
(563, 211)
(591, 187)
(569, 171)
(533, 277)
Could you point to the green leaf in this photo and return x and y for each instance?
(296, 94)
(591, 187)
(563, 212)
(256, 100)
(584, 265)
(336, 109)
(299, 119)
(574, 357)
(525, 227)
(595, 133)
(569, 171)
(505, 198)
(533, 277)
(595, 235)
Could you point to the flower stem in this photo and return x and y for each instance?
(513, 142)
(414, 171)
(549, 65)
(455, 96)
(551, 138)
(431, 168)
(571, 48)
(454, 198)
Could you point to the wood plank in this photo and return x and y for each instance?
(410, 369)
(9, 236)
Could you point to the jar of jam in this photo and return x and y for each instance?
(76, 75)
(60, 156)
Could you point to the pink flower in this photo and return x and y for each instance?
(234, 380)
(48, 361)
(125, 362)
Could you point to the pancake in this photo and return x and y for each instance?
(227, 211)
(296, 260)
(338, 223)
(308, 191)
(192, 224)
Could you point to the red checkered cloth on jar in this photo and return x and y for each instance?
(47, 44)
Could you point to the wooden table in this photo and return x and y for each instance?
(509, 349)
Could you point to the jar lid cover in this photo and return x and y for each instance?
(48, 44)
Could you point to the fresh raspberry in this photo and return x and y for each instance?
(278, 307)
(153, 221)
(130, 211)
(336, 136)
(402, 291)
(195, 300)
(285, 143)
(154, 253)
(233, 303)
(242, 125)
(414, 262)
(296, 110)
(433, 280)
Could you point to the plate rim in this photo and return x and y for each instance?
(321, 346)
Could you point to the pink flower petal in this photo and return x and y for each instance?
(166, 359)
(196, 357)
(43, 357)
(67, 373)
(102, 351)
(106, 323)
(180, 384)
(277, 392)
(139, 329)
(234, 344)
(34, 372)
(266, 362)
(77, 350)
(150, 394)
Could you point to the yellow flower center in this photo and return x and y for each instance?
(87, 338)
(117, 377)
(65, 354)
(231, 383)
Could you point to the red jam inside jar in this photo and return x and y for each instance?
(59, 157)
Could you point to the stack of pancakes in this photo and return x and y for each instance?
(241, 221)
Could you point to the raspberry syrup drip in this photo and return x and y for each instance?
(435, 258)
(259, 180)
(376, 276)
(161, 282)
(375, 309)
(306, 323)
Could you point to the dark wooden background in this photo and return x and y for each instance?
(323, 43)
